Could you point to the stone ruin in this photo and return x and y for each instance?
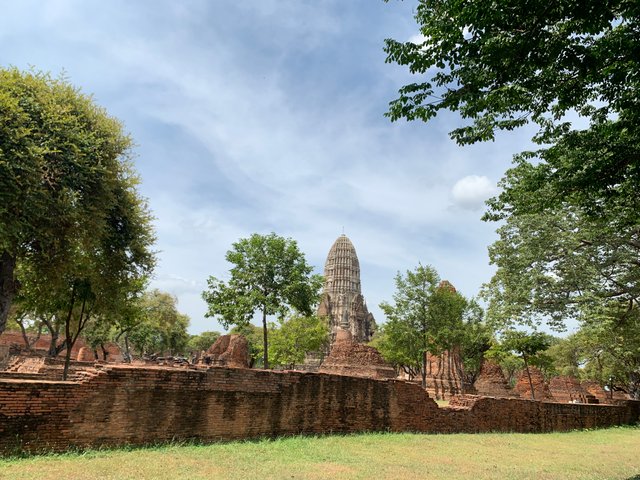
(350, 358)
(567, 389)
(342, 302)
(228, 351)
(443, 377)
(540, 387)
(492, 383)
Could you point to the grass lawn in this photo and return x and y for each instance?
(601, 454)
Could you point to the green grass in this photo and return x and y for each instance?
(600, 454)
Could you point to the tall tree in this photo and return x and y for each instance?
(503, 64)
(161, 328)
(571, 241)
(561, 265)
(425, 317)
(270, 275)
(527, 346)
(71, 216)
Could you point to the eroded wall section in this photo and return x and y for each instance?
(129, 405)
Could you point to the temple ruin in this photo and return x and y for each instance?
(355, 359)
(342, 301)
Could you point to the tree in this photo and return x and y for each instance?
(270, 275)
(76, 235)
(561, 265)
(571, 242)
(503, 64)
(161, 328)
(527, 346)
(296, 336)
(202, 341)
(473, 338)
(510, 363)
(604, 351)
(426, 317)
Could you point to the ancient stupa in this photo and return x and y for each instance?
(342, 301)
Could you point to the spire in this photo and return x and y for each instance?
(342, 268)
(342, 301)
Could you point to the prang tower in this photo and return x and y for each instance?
(342, 301)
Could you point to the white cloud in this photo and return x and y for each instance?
(418, 39)
(472, 191)
(269, 117)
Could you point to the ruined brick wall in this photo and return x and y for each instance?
(568, 389)
(540, 386)
(443, 379)
(491, 381)
(129, 405)
(14, 339)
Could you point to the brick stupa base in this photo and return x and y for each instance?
(228, 351)
(567, 389)
(540, 387)
(355, 359)
(491, 382)
(443, 380)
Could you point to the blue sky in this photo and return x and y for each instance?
(267, 116)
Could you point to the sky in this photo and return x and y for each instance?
(268, 116)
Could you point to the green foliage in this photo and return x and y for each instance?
(160, 329)
(76, 236)
(428, 316)
(296, 336)
(473, 339)
(570, 243)
(561, 265)
(603, 350)
(503, 64)
(254, 336)
(527, 346)
(511, 364)
(202, 341)
(269, 275)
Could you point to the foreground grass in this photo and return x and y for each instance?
(600, 454)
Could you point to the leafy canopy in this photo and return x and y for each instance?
(295, 336)
(504, 63)
(269, 275)
(75, 246)
(427, 316)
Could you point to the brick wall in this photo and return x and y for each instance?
(132, 405)
(14, 339)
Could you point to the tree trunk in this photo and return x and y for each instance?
(67, 331)
(265, 344)
(67, 358)
(8, 287)
(526, 366)
(54, 348)
(424, 369)
(127, 353)
(29, 343)
(634, 385)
